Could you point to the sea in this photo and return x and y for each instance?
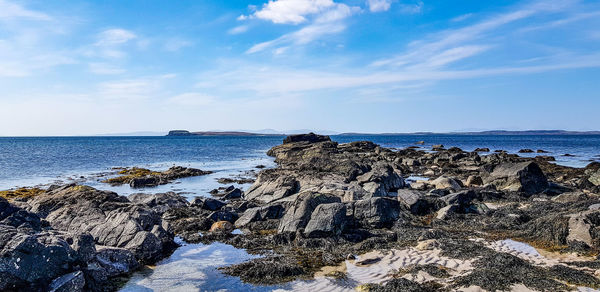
(43, 161)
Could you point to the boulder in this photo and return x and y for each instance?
(376, 212)
(417, 202)
(462, 199)
(207, 203)
(584, 227)
(160, 202)
(474, 180)
(111, 219)
(482, 150)
(327, 220)
(300, 211)
(525, 151)
(444, 182)
(381, 180)
(232, 194)
(267, 190)
(595, 178)
(259, 214)
(310, 138)
(445, 212)
(526, 177)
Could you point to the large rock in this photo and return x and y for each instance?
(595, 178)
(310, 138)
(381, 180)
(160, 202)
(267, 190)
(327, 220)
(111, 219)
(444, 182)
(585, 227)
(524, 177)
(208, 203)
(259, 214)
(376, 212)
(72, 282)
(300, 211)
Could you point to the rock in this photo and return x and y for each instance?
(525, 151)
(474, 180)
(524, 177)
(111, 219)
(376, 212)
(310, 138)
(541, 151)
(161, 202)
(259, 214)
(223, 216)
(411, 162)
(327, 220)
(233, 194)
(381, 180)
(444, 182)
(71, 282)
(266, 190)
(147, 181)
(444, 213)
(595, 178)
(416, 202)
(571, 197)
(221, 226)
(141, 177)
(300, 211)
(420, 142)
(437, 147)
(462, 199)
(583, 228)
(208, 203)
(482, 150)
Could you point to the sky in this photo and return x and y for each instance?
(92, 67)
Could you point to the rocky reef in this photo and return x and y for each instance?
(140, 177)
(324, 204)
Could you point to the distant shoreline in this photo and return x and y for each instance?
(179, 133)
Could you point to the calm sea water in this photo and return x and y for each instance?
(27, 161)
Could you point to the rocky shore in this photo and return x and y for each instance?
(324, 204)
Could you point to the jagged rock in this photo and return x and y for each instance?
(326, 220)
(444, 213)
(474, 180)
(417, 202)
(232, 194)
(463, 198)
(111, 219)
(299, 212)
(444, 182)
(524, 177)
(376, 212)
(584, 227)
(525, 151)
(381, 180)
(266, 190)
(310, 138)
(223, 216)
(71, 282)
(571, 197)
(259, 214)
(482, 150)
(160, 202)
(595, 178)
(207, 203)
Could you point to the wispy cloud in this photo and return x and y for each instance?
(114, 36)
(10, 10)
(238, 29)
(176, 44)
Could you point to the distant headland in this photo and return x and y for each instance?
(216, 133)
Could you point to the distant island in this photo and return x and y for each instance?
(493, 132)
(216, 133)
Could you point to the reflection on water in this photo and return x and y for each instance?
(193, 267)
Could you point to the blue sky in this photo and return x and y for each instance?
(89, 67)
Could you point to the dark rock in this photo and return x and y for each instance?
(208, 203)
(310, 138)
(72, 282)
(376, 212)
(482, 150)
(161, 202)
(298, 214)
(327, 220)
(267, 190)
(524, 177)
(541, 151)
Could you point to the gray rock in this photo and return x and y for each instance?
(327, 220)
(208, 203)
(299, 213)
(160, 202)
(259, 214)
(267, 190)
(524, 177)
(444, 182)
(310, 138)
(71, 282)
(595, 178)
(376, 212)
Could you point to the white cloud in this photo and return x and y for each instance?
(412, 8)
(238, 29)
(290, 11)
(379, 5)
(115, 36)
(133, 89)
(327, 23)
(9, 10)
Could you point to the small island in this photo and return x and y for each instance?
(215, 133)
